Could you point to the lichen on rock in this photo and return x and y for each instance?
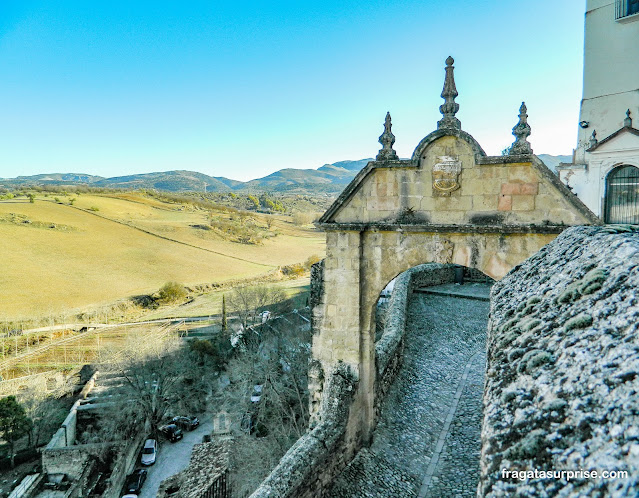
(563, 367)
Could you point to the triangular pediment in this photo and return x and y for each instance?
(626, 138)
(450, 184)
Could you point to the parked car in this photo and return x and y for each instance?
(257, 393)
(172, 432)
(133, 483)
(186, 423)
(130, 496)
(149, 452)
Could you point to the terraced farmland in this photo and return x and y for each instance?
(66, 350)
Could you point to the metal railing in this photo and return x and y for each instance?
(220, 488)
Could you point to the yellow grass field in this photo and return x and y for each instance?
(57, 258)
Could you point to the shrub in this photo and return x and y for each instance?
(300, 218)
(311, 260)
(294, 270)
(239, 228)
(94, 208)
(171, 292)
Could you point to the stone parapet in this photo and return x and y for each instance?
(563, 369)
(389, 348)
(420, 276)
(311, 464)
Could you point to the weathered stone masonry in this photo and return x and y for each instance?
(450, 204)
(389, 348)
(310, 467)
(391, 218)
(563, 368)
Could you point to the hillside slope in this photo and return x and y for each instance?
(58, 257)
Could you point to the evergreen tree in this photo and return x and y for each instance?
(224, 323)
(14, 423)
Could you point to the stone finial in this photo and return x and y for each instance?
(628, 120)
(387, 139)
(593, 139)
(449, 108)
(521, 130)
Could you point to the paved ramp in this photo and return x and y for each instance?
(427, 441)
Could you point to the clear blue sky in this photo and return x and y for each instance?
(241, 89)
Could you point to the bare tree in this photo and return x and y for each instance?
(156, 377)
(279, 413)
(46, 410)
(249, 302)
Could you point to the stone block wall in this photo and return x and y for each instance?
(563, 370)
(71, 460)
(317, 289)
(311, 464)
(65, 435)
(492, 190)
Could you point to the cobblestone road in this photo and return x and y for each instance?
(427, 441)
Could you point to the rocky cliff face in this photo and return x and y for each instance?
(562, 376)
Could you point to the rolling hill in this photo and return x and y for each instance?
(58, 257)
(327, 179)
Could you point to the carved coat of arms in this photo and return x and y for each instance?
(446, 173)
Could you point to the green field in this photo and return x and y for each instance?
(59, 258)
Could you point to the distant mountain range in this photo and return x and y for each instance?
(328, 179)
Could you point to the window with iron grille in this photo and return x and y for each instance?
(625, 8)
(622, 195)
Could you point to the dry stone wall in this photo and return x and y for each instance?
(562, 376)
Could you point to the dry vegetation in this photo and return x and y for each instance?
(68, 350)
(80, 251)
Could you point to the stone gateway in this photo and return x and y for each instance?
(449, 203)
(414, 221)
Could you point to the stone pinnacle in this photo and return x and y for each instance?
(449, 108)
(387, 139)
(521, 131)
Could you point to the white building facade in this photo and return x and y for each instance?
(604, 172)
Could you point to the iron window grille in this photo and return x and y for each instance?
(622, 195)
(625, 8)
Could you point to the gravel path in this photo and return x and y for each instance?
(427, 441)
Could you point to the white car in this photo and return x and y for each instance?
(149, 452)
(257, 393)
